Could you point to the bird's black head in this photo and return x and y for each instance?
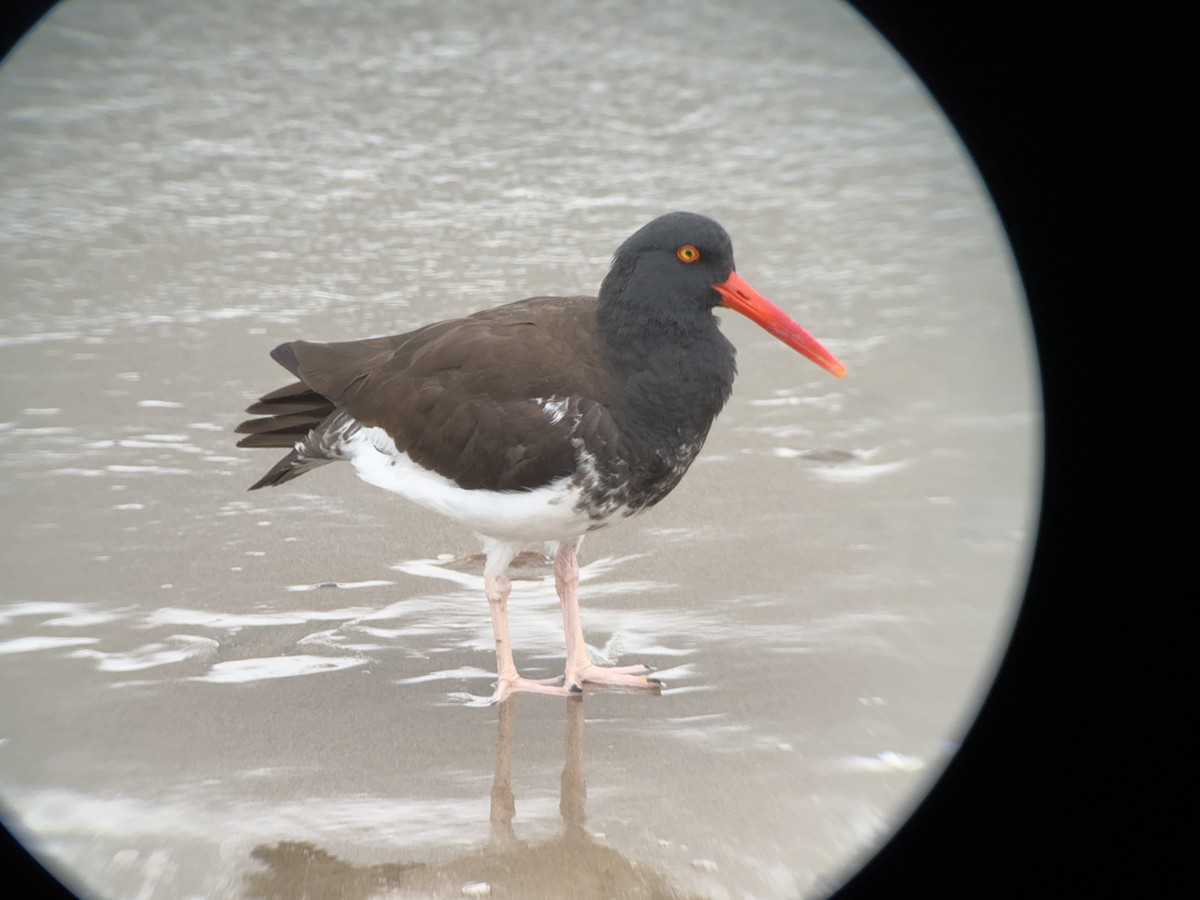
(667, 278)
(665, 272)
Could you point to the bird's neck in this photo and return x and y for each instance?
(676, 365)
(640, 314)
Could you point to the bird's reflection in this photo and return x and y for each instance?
(573, 864)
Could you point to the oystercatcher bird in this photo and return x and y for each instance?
(538, 421)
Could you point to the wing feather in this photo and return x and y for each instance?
(467, 398)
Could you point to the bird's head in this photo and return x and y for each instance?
(673, 271)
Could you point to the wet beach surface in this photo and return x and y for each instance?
(213, 693)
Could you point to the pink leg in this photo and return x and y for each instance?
(508, 682)
(580, 669)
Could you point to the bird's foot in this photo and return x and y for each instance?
(508, 685)
(627, 677)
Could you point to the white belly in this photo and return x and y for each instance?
(522, 517)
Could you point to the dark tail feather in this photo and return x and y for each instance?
(298, 397)
(277, 431)
(288, 416)
(291, 466)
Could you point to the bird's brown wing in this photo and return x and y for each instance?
(488, 401)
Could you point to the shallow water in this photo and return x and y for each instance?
(215, 693)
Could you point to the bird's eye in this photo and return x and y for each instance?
(687, 253)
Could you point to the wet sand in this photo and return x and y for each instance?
(216, 693)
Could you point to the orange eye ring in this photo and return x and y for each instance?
(687, 253)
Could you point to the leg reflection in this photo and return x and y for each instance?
(570, 864)
(504, 803)
(572, 797)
